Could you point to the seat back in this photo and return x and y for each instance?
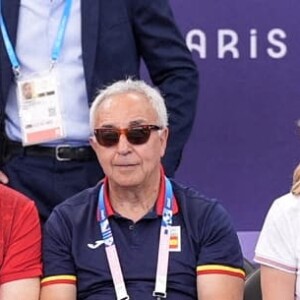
(249, 267)
(253, 287)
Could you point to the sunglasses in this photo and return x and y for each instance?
(137, 135)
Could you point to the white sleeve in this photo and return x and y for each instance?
(277, 243)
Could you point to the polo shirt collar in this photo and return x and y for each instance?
(159, 206)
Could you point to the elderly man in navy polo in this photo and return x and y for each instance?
(137, 234)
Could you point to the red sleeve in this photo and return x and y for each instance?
(21, 238)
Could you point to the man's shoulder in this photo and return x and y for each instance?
(11, 199)
(194, 196)
(287, 205)
(287, 200)
(190, 200)
(83, 200)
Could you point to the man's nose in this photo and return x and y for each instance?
(123, 145)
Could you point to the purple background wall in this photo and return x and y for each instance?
(245, 141)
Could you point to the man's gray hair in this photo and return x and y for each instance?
(136, 86)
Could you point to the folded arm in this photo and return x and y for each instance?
(218, 286)
(277, 284)
(61, 291)
(22, 289)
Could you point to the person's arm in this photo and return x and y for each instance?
(220, 273)
(277, 284)
(61, 291)
(59, 281)
(171, 69)
(277, 249)
(217, 286)
(22, 239)
(22, 289)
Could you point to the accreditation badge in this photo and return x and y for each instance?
(39, 110)
(175, 239)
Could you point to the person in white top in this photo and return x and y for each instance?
(278, 247)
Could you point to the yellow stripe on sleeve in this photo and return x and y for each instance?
(59, 279)
(220, 269)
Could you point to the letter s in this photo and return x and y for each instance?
(274, 37)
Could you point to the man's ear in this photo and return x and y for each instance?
(93, 142)
(164, 139)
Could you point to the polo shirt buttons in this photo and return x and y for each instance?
(131, 227)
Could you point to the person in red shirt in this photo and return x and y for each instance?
(20, 247)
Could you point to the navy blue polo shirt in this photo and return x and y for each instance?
(202, 241)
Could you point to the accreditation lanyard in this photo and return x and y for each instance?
(56, 50)
(160, 290)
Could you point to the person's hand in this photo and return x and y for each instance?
(3, 178)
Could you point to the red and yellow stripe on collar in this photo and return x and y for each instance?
(220, 269)
(71, 279)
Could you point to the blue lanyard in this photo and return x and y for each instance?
(166, 222)
(10, 51)
(61, 31)
(104, 224)
(56, 50)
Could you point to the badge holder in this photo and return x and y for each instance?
(39, 109)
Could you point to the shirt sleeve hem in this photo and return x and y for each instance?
(220, 269)
(57, 279)
(275, 264)
(20, 275)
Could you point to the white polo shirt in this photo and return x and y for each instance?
(279, 241)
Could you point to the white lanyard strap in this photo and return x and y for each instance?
(116, 272)
(160, 290)
(111, 251)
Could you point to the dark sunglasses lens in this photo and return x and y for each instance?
(107, 137)
(138, 136)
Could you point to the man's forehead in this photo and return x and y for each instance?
(129, 108)
(120, 98)
(124, 123)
